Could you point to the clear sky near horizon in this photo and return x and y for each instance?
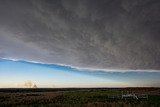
(14, 74)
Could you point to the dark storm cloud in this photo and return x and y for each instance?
(97, 34)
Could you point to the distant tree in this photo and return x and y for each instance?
(34, 86)
(29, 84)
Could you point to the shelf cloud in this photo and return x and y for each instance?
(93, 34)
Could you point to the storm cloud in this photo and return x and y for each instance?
(93, 34)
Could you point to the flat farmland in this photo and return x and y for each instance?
(78, 97)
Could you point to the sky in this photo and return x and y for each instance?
(79, 43)
(16, 74)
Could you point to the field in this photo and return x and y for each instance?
(79, 97)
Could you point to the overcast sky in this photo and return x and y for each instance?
(93, 34)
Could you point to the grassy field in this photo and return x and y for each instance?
(98, 97)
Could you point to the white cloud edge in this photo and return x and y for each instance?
(87, 69)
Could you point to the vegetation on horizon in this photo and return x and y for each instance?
(88, 98)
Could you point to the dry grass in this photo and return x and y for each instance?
(75, 98)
